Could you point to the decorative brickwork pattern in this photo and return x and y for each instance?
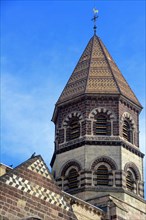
(25, 194)
(125, 109)
(96, 72)
(39, 167)
(72, 114)
(107, 160)
(105, 144)
(134, 167)
(37, 191)
(127, 115)
(101, 85)
(70, 164)
(101, 110)
(120, 80)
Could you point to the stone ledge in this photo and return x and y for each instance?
(97, 140)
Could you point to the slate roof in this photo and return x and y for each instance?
(96, 73)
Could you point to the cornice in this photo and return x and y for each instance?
(97, 96)
(96, 140)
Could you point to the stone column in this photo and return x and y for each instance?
(92, 127)
(112, 127)
(114, 178)
(137, 186)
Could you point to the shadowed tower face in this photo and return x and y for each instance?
(97, 130)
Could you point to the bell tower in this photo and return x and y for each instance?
(97, 131)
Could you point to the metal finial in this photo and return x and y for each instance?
(95, 11)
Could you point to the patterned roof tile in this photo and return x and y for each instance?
(96, 72)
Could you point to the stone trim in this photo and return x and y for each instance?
(102, 110)
(95, 189)
(68, 164)
(104, 159)
(89, 140)
(110, 140)
(70, 115)
(88, 206)
(127, 115)
(134, 169)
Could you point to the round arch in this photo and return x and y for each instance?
(96, 111)
(129, 117)
(133, 167)
(104, 159)
(70, 164)
(71, 115)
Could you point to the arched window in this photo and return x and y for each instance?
(73, 179)
(101, 125)
(130, 180)
(133, 177)
(74, 128)
(102, 175)
(127, 130)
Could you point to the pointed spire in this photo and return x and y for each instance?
(96, 73)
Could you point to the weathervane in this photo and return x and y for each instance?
(95, 11)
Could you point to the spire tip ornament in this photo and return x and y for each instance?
(95, 11)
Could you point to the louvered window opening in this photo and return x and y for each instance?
(102, 175)
(73, 179)
(126, 131)
(129, 181)
(101, 125)
(74, 130)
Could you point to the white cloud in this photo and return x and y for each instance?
(25, 119)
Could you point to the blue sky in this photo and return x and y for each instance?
(41, 42)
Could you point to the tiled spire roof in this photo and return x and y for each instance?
(96, 73)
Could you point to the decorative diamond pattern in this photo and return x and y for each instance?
(39, 167)
(94, 63)
(37, 191)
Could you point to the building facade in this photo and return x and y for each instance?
(97, 156)
(97, 166)
(29, 192)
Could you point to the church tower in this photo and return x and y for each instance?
(96, 119)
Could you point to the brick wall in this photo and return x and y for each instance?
(17, 205)
(85, 106)
(26, 193)
(29, 192)
(125, 107)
